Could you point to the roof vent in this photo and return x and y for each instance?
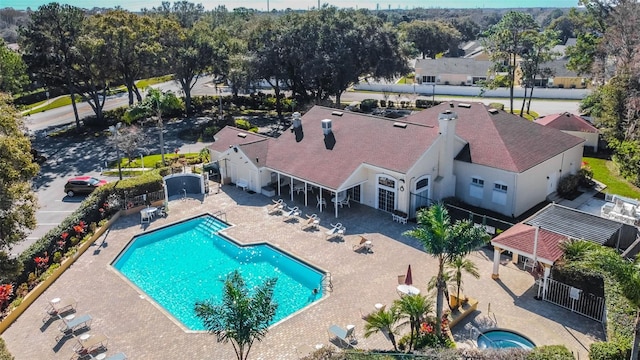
(494, 111)
(464, 105)
(297, 122)
(337, 113)
(242, 135)
(451, 104)
(400, 125)
(326, 126)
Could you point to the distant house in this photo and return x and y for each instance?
(573, 125)
(483, 156)
(474, 50)
(452, 71)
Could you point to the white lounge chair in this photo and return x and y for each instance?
(344, 335)
(313, 221)
(336, 230)
(293, 211)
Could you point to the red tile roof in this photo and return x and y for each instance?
(359, 139)
(497, 140)
(521, 237)
(501, 140)
(567, 122)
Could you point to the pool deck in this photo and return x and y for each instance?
(137, 327)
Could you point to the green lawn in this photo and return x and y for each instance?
(150, 160)
(605, 171)
(532, 115)
(58, 102)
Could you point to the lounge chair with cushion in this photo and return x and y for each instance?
(88, 343)
(364, 244)
(344, 335)
(313, 221)
(57, 307)
(70, 326)
(277, 206)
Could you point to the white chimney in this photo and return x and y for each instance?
(297, 122)
(447, 126)
(326, 126)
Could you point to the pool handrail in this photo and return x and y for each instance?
(481, 334)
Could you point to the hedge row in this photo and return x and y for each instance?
(93, 211)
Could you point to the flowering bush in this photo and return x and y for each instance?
(80, 228)
(6, 290)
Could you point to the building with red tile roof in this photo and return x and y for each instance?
(573, 125)
(483, 156)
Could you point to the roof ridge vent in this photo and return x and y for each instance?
(464, 105)
(337, 113)
(242, 135)
(400, 125)
(493, 111)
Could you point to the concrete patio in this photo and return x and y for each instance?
(142, 330)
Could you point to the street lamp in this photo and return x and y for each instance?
(114, 130)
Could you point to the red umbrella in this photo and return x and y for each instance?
(408, 280)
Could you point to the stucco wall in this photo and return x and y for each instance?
(466, 171)
(591, 139)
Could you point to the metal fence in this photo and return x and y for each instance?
(141, 200)
(575, 299)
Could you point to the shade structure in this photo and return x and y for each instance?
(408, 280)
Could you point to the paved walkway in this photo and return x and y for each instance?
(136, 326)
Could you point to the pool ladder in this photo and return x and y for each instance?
(220, 214)
(327, 283)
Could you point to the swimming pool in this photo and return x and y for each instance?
(183, 263)
(503, 339)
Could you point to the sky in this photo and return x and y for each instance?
(135, 5)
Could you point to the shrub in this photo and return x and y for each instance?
(498, 106)
(245, 125)
(606, 351)
(550, 352)
(4, 352)
(568, 184)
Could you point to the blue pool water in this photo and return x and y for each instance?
(188, 262)
(502, 339)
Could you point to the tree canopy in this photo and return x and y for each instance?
(17, 201)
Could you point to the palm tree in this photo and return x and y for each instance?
(414, 308)
(456, 267)
(241, 319)
(382, 321)
(161, 102)
(445, 241)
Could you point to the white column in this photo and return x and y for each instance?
(335, 203)
(496, 263)
(547, 272)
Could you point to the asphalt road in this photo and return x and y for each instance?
(72, 157)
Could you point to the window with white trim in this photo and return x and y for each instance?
(499, 193)
(428, 79)
(500, 187)
(476, 188)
